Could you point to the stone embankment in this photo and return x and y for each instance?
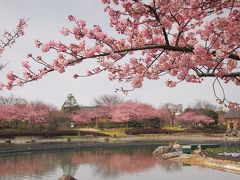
(173, 152)
(196, 159)
(183, 138)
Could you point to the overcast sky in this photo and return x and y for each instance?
(46, 18)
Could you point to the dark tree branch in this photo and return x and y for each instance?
(226, 75)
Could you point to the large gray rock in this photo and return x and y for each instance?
(67, 177)
(173, 147)
(176, 147)
(171, 155)
(162, 150)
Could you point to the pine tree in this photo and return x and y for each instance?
(70, 104)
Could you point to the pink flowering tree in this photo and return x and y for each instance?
(193, 118)
(186, 40)
(81, 117)
(133, 111)
(120, 113)
(31, 114)
(102, 115)
(95, 116)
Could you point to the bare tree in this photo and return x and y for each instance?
(12, 100)
(105, 100)
(204, 104)
(172, 110)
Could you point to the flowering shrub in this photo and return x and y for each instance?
(228, 153)
(11, 134)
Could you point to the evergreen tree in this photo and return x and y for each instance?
(70, 104)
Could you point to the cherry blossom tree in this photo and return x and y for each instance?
(118, 113)
(102, 114)
(194, 118)
(89, 116)
(81, 117)
(33, 113)
(186, 40)
(129, 110)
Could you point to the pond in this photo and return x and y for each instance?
(135, 163)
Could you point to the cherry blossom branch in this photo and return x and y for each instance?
(189, 41)
(9, 38)
(223, 100)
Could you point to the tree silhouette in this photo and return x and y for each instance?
(70, 104)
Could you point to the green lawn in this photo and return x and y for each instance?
(173, 128)
(118, 132)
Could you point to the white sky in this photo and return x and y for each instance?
(46, 18)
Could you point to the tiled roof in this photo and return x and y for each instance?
(232, 114)
(88, 108)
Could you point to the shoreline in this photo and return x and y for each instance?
(164, 137)
(196, 159)
(23, 145)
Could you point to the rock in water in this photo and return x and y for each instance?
(171, 155)
(67, 177)
(173, 147)
(162, 150)
(176, 147)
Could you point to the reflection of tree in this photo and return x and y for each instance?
(112, 162)
(37, 164)
(170, 165)
(66, 163)
(107, 163)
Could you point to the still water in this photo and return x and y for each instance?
(126, 163)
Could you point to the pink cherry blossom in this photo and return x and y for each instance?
(188, 40)
(25, 64)
(10, 76)
(193, 117)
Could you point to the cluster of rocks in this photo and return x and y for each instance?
(233, 133)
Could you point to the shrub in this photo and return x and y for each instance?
(12, 134)
(136, 131)
(213, 129)
(229, 153)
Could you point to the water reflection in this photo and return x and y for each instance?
(105, 163)
(121, 163)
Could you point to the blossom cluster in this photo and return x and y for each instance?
(187, 40)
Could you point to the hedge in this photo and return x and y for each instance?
(136, 131)
(12, 134)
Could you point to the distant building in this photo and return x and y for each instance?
(88, 108)
(232, 118)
